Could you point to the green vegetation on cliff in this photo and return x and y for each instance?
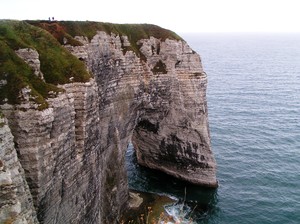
(65, 31)
(135, 32)
(57, 64)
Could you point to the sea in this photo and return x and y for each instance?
(253, 99)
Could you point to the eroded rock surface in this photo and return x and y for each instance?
(31, 57)
(73, 153)
(15, 198)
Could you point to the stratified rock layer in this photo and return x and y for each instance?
(73, 153)
(31, 57)
(15, 199)
(172, 134)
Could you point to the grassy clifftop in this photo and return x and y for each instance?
(135, 32)
(65, 31)
(57, 64)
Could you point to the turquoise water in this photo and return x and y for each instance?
(254, 113)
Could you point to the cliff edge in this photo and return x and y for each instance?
(76, 93)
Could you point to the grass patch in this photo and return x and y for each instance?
(57, 31)
(57, 64)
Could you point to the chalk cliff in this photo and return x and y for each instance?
(16, 202)
(149, 89)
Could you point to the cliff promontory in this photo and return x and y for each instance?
(73, 95)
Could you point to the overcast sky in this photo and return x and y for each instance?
(179, 16)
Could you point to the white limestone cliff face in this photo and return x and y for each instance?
(15, 198)
(59, 151)
(73, 153)
(173, 135)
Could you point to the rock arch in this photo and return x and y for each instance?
(163, 111)
(73, 153)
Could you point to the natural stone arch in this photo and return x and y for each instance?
(164, 113)
(73, 152)
(167, 110)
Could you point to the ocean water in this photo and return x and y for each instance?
(254, 113)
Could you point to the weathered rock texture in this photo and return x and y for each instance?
(15, 199)
(73, 152)
(172, 133)
(31, 57)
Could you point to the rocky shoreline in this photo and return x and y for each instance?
(146, 207)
